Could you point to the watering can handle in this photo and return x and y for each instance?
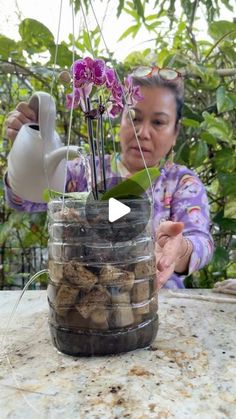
(44, 106)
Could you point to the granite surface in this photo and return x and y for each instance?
(188, 372)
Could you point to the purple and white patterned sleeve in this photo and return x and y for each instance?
(181, 196)
(19, 204)
(190, 205)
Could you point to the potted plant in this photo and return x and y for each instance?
(102, 289)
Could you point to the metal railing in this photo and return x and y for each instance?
(17, 266)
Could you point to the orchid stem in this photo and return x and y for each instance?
(102, 149)
(91, 140)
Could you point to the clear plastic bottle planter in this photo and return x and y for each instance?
(102, 290)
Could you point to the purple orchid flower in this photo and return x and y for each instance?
(99, 72)
(84, 93)
(89, 72)
(133, 94)
(117, 91)
(80, 96)
(114, 109)
(82, 73)
(69, 99)
(110, 77)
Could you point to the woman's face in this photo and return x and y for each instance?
(155, 124)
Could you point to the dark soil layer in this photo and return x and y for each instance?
(88, 343)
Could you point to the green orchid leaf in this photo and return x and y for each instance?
(134, 185)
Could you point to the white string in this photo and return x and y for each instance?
(87, 28)
(213, 299)
(129, 112)
(72, 106)
(5, 334)
(31, 280)
(56, 49)
(102, 88)
(110, 57)
(51, 92)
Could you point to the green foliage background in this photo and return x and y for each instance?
(207, 139)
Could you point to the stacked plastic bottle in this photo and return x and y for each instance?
(102, 289)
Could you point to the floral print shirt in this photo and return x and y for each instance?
(178, 193)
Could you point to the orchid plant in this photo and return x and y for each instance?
(92, 77)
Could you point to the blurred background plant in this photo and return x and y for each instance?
(207, 139)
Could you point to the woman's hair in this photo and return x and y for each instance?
(175, 86)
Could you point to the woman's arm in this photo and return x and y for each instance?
(184, 245)
(191, 207)
(19, 204)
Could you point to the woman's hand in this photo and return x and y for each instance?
(23, 114)
(173, 251)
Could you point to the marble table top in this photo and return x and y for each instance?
(188, 372)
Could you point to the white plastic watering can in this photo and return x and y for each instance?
(37, 159)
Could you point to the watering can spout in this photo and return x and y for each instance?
(53, 159)
(37, 159)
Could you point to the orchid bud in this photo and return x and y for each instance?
(132, 113)
(64, 77)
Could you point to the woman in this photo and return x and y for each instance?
(181, 214)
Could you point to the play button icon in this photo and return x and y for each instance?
(117, 219)
(117, 210)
